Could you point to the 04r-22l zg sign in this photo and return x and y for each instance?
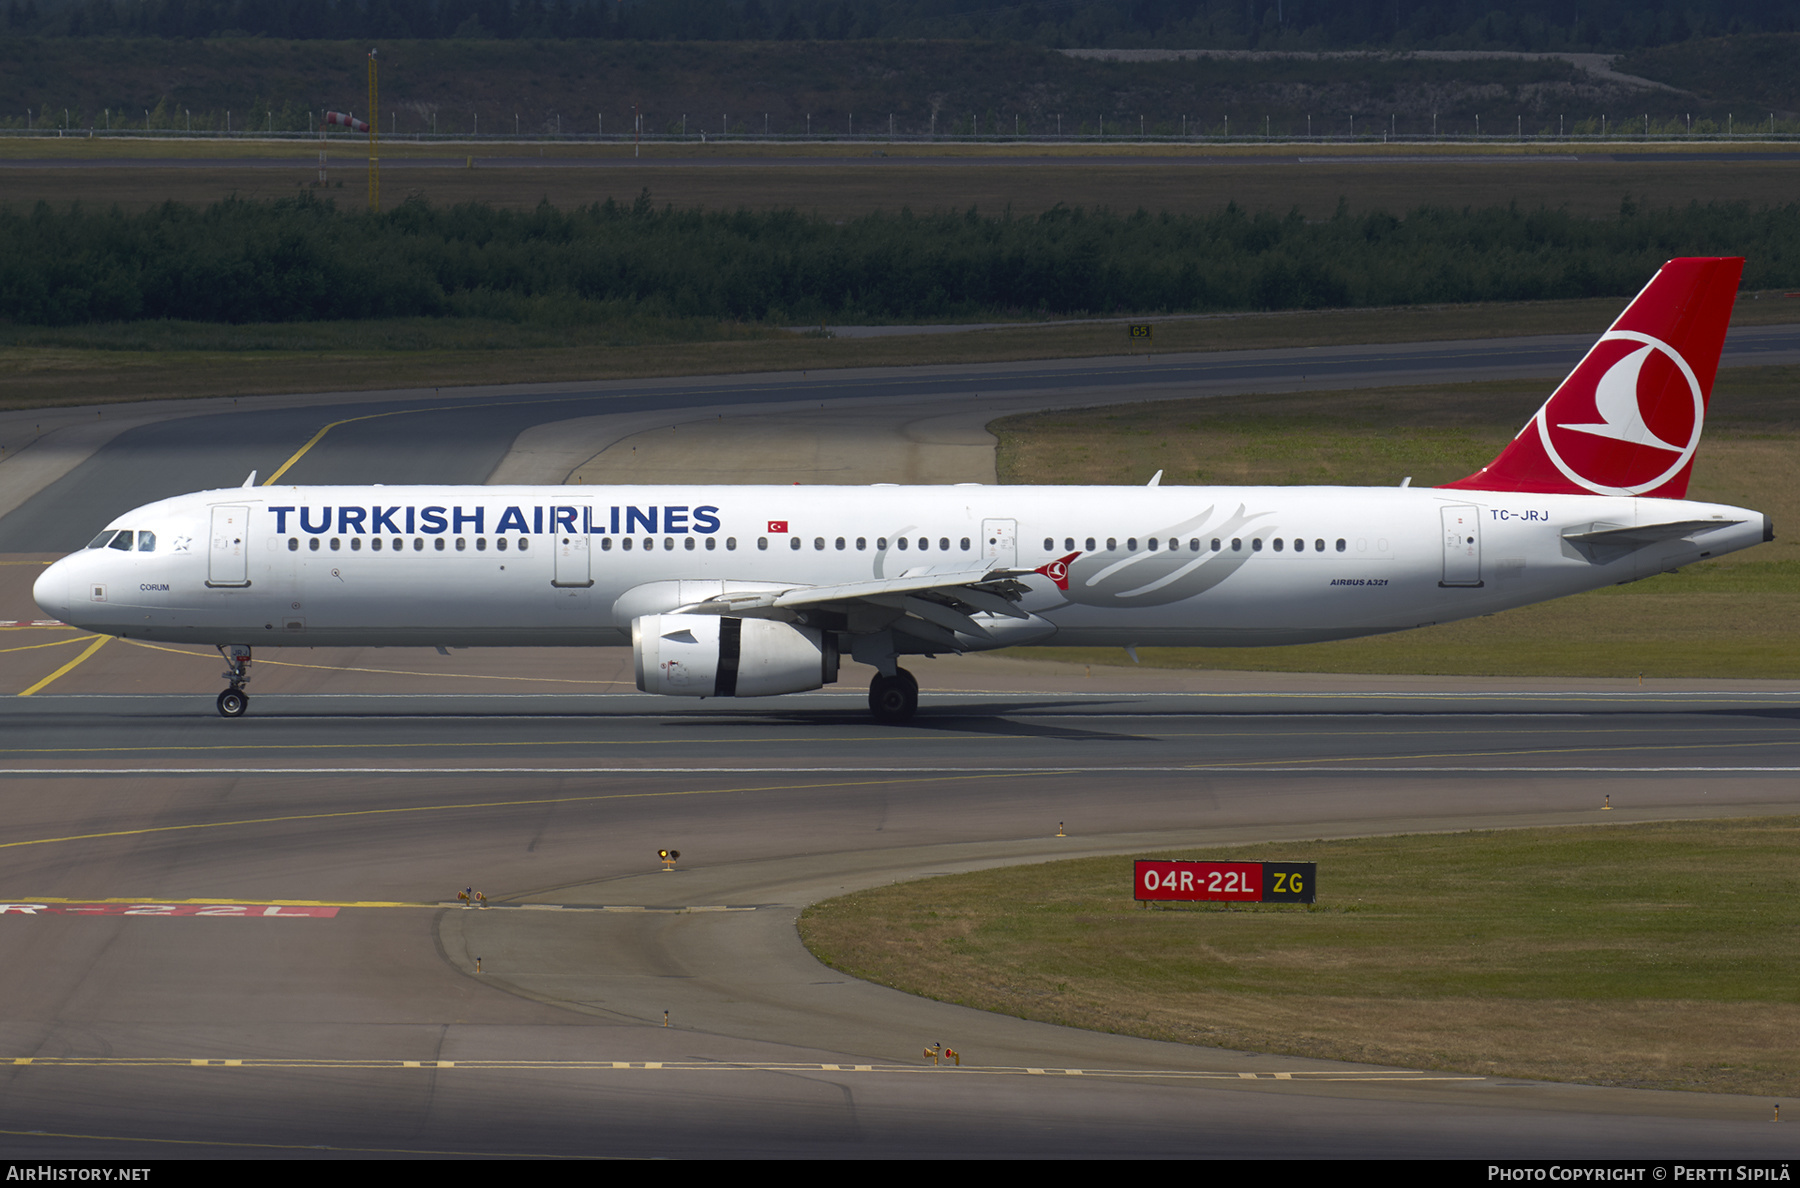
(1245, 882)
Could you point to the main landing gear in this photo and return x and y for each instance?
(234, 701)
(894, 698)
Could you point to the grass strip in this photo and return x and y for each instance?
(1652, 955)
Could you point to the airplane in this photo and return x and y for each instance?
(751, 591)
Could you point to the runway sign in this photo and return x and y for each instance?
(1244, 882)
(1140, 330)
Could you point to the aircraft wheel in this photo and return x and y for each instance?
(233, 703)
(895, 698)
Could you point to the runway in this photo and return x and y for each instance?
(242, 939)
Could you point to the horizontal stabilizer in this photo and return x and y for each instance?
(1640, 535)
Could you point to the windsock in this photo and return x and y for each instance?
(347, 120)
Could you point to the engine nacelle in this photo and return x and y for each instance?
(713, 656)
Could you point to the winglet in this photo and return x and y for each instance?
(1155, 480)
(251, 481)
(1058, 570)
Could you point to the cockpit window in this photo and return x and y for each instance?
(101, 541)
(122, 541)
(146, 542)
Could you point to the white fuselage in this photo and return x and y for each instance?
(496, 566)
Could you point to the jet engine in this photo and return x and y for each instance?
(714, 656)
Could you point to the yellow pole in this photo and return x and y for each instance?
(374, 130)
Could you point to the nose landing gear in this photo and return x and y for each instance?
(234, 701)
(894, 698)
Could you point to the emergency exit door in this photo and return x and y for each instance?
(1462, 545)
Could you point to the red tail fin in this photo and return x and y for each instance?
(1627, 420)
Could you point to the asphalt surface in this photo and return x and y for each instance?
(335, 1000)
(372, 1031)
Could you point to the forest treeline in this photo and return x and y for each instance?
(1187, 24)
(301, 259)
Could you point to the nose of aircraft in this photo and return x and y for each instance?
(51, 591)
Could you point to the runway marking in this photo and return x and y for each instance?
(1221, 769)
(55, 643)
(26, 905)
(492, 804)
(791, 740)
(307, 1147)
(100, 641)
(461, 676)
(165, 910)
(1307, 1075)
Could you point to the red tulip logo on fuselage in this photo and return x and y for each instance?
(1628, 420)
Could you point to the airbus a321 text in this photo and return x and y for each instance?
(725, 591)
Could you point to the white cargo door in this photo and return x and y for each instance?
(574, 564)
(228, 557)
(999, 542)
(1462, 545)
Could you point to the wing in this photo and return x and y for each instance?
(930, 605)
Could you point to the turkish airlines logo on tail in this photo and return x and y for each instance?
(1058, 571)
(1629, 418)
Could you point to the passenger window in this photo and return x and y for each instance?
(605, 544)
(1068, 544)
(1318, 546)
(122, 541)
(356, 544)
(374, 545)
(1256, 545)
(1090, 544)
(1237, 545)
(1215, 544)
(462, 544)
(1277, 544)
(1340, 544)
(313, 544)
(668, 544)
(625, 543)
(1152, 543)
(524, 543)
(1049, 543)
(146, 542)
(862, 543)
(418, 544)
(1112, 545)
(944, 544)
(965, 544)
(762, 542)
(1194, 545)
(1299, 546)
(712, 544)
(881, 544)
(819, 544)
(687, 542)
(731, 544)
(293, 544)
(500, 543)
(794, 544)
(440, 544)
(481, 544)
(900, 543)
(336, 544)
(1131, 544)
(924, 543)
